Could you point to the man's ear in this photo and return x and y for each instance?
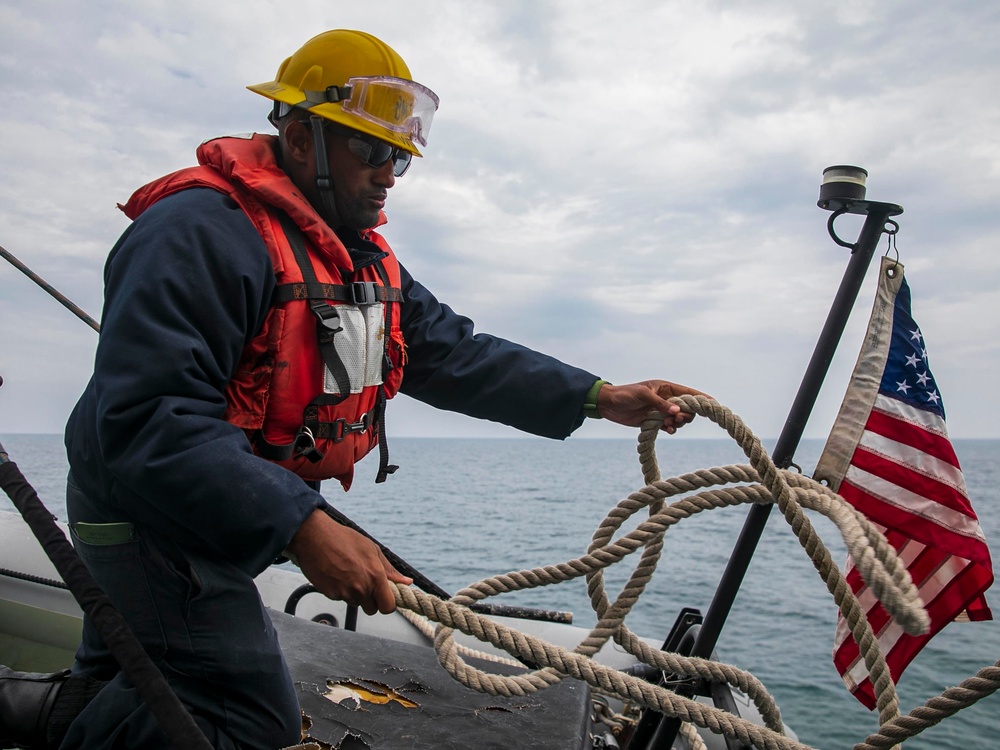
(298, 142)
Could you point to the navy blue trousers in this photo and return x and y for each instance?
(202, 622)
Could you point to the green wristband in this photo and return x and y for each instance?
(590, 400)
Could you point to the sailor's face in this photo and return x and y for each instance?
(359, 190)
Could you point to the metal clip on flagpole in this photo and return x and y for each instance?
(842, 191)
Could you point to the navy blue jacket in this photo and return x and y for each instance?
(187, 286)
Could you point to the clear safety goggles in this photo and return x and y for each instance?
(396, 104)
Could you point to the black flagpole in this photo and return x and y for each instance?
(843, 191)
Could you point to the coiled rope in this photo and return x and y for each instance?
(873, 557)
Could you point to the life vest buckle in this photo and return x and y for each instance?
(328, 316)
(363, 292)
(304, 445)
(343, 427)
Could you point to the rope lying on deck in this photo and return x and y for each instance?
(873, 556)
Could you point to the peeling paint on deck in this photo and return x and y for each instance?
(358, 692)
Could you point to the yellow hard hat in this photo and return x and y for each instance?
(357, 80)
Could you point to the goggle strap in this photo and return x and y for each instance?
(332, 95)
(323, 181)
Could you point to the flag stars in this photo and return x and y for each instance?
(924, 378)
(934, 398)
(903, 387)
(916, 335)
(912, 360)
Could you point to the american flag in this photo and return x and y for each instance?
(889, 456)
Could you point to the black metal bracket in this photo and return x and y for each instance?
(861, 207)
(680, 640)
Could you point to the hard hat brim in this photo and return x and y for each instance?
(334, 112)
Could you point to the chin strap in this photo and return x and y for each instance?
(324, 183)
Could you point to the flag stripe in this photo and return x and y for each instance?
(947, 598)
(921, 430)
(953, 503)
(918, 460)
(924, 565)
(940, 592)
(954, 507)
(923, 520)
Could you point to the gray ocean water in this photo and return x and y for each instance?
(462, 510)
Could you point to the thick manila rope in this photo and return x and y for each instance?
(573, 665)
(428, 630)
(906, 607)
(522, 585)
(935, 710)
(874, 558)
(987, 681)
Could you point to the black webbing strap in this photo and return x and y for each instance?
(327, 316)
(355, 293)
(149, 682)
(313, 430)
(384, 467)
(303, 445)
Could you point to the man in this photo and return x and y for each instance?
(254, 327)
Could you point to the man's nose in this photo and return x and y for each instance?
(384, 175)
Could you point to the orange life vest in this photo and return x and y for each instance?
(310, 388)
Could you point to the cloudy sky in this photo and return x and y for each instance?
(630, 186)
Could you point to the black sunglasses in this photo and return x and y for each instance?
(371, 150)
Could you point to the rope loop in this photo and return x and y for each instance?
(759, 482)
